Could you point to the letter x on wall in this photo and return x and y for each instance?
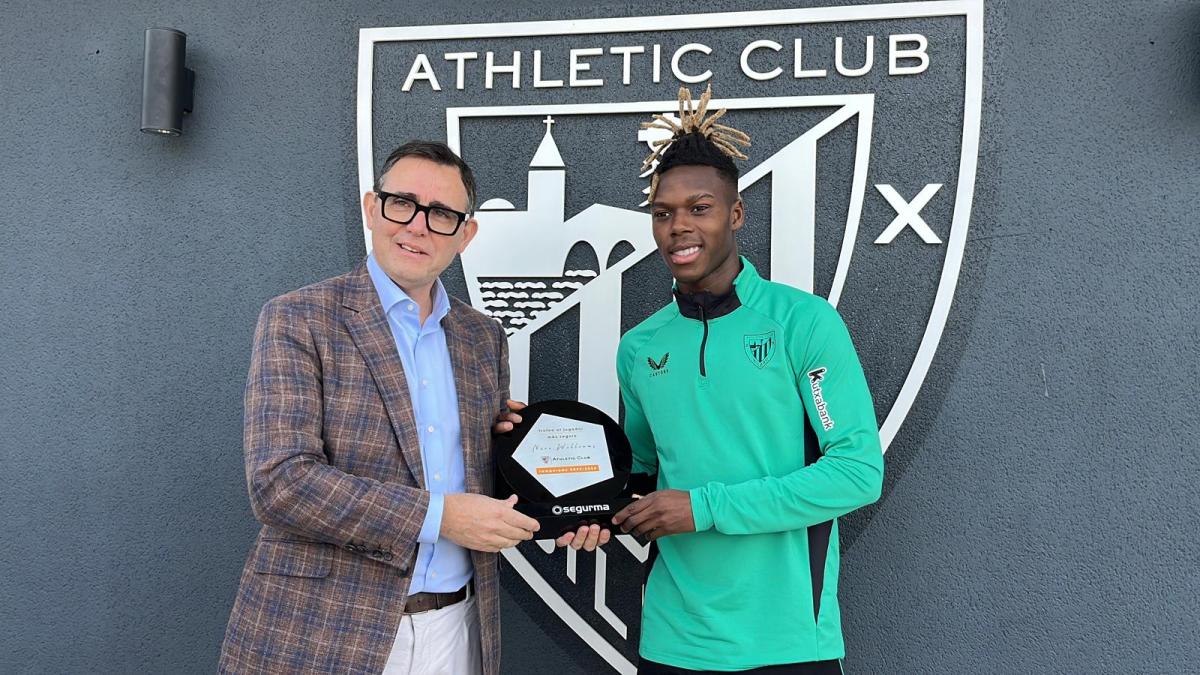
(908, 214)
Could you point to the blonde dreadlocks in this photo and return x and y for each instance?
(709, 144)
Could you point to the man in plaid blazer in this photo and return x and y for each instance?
(368, 454)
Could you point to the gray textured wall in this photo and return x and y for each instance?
(1038, 510)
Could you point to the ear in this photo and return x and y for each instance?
(369, 200)
(470, 228)
(737, 215)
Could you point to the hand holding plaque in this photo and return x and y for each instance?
(568, 463)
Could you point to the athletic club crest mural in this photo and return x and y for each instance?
(839, 201)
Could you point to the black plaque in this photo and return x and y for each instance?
(558, 514)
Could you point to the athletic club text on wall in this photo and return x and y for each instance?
(762, 60)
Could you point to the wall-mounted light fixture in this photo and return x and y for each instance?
(166, 84)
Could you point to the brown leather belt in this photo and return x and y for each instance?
(424, 602)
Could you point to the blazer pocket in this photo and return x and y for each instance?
(293, 558)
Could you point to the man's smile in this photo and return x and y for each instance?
(683, 254)
(410, 250)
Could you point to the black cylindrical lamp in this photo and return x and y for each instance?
(166, 83)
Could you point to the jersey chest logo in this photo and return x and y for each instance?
(760, 347)
(658, 367)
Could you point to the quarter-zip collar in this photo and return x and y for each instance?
(707, 306)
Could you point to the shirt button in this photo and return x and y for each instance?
(433, 574)
(411, 307)
(430, 429)
(437, 476)
(424, 383)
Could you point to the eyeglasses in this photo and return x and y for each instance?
(439, 219)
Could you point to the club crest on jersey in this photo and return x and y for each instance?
(760, 347)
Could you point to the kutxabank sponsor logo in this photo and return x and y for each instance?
(459, 79)
(814, 382)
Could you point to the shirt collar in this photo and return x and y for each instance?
(390, 294)
(708, 306)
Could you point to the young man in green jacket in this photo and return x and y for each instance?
(748, 401)
(745, 398)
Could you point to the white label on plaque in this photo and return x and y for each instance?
(565, 455)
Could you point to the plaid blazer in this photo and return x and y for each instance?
(334, 473)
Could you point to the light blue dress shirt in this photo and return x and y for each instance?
(442, 566)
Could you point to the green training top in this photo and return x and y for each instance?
(756, 403)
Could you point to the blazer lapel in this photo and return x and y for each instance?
(372, 335)
(467, 375)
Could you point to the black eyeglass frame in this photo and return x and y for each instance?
(420, 208)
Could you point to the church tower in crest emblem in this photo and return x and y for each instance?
(515, 269)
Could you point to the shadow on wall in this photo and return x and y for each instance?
(1190, 45)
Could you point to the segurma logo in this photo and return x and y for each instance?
(578, 509)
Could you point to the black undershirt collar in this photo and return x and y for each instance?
(706, 305)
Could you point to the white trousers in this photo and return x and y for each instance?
(438, 642)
